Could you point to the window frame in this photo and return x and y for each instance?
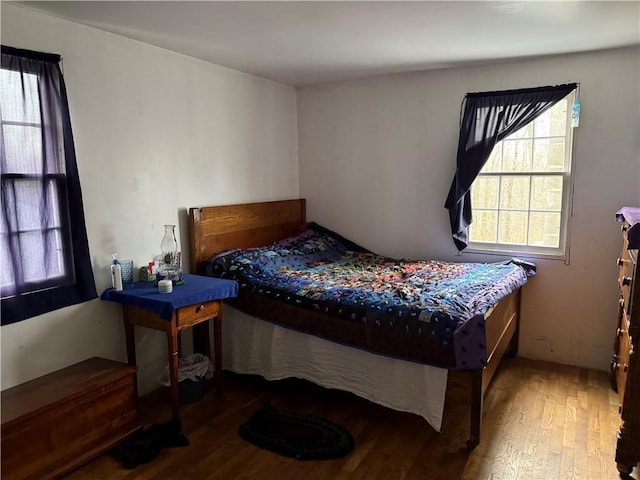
(59, 181)
(73, 281)
(568, 174)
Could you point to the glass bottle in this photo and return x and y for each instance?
(169, 246)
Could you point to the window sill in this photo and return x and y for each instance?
(515, 253)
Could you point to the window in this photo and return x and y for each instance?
(486, 119)
(44, 256)
(36, 192)
(521, 197)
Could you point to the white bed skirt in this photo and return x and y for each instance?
(252, 346)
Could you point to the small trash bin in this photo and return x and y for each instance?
(192, 372)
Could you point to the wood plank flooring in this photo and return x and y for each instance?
(542, 422)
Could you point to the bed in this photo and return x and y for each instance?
(426, 348)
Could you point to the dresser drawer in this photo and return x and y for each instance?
(626, 274)
(622, 365)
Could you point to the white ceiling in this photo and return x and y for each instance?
(305, 42)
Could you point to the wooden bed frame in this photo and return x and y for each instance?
(219, 228)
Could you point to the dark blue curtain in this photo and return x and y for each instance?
(44, 252)
(486, 119)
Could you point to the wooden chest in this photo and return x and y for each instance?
(57, 422)
(625, 364)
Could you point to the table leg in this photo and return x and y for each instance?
(129, 337)
(172, 340)
(217, 353)
(130, 342)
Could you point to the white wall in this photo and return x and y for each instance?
(155, 133)
(377, 156)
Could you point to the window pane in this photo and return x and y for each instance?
(559, 118)
(517, 155)
(494, 163)
(548, 155)
(484, 192)
(542, 125)
(23, 149)
(553, 122)
(513, 228)
(514, 192)
(6, 265)
(54, 218)
(544, 229)
(8, 220)
(41, 255)
(32, 249)
(33, 208)
(484, 227)
(546, 193)
(18, 105)
(55, 259)
(524, 132)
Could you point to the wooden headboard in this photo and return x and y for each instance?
(216, 229)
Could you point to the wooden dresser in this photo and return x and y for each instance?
(625, 364)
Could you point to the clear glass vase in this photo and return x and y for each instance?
(171, 264)
(169, 245)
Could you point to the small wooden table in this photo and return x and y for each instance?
(189, 305)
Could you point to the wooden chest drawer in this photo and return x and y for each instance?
(55, 423)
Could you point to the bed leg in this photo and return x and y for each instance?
(476, 408)
(512, 349)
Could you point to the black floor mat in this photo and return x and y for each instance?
(301, 436)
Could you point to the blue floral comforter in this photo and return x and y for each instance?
(434, 306)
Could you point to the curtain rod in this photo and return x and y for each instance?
(570, 86)
(31, 54)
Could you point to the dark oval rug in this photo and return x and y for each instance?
(301, 436)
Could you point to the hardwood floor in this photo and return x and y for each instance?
(542, 421)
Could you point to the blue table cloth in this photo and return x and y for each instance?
(197, 289)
